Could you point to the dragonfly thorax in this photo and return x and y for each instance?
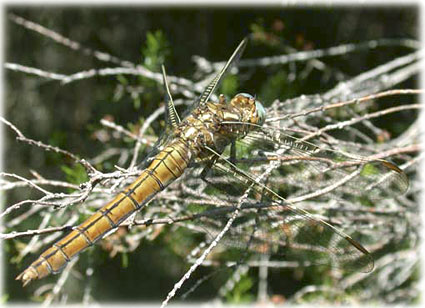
(216, 124)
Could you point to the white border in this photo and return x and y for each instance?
(200, 3)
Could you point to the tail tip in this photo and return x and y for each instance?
(27, 276)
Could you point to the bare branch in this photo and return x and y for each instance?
(362, 118)
(21, 137)
(353, 101)
(34, 71)
(301, 56)
(102, 56)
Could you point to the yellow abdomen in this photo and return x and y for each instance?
(167, 166)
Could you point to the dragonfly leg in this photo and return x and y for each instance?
(233, 152)
(207, 168)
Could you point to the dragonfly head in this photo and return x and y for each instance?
(257, 111)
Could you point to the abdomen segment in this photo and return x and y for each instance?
(168, 165)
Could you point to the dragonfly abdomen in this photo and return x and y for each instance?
(167, 165)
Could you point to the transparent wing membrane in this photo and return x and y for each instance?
(212, 86)
(172, 116)
(306, 170)
(271, 225)
(285, 171)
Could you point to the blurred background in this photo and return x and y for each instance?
(68, 115)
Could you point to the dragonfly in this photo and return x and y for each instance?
(207, 138)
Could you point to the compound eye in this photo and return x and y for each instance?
(246, 95)
(261, 112)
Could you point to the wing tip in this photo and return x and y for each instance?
(403, 180)
(369, 263)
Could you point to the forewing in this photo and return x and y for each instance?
(307, 170)
(212, 86)
(172, 116)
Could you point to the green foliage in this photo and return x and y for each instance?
(369, 170)
(119, 92)
(4, 298)
(16, 258)
(257, 28)
(124, 259)
(365, 201)
(268, 34)
(241, 293)
(196, 208)
(229, 85)
(122, 80)
(76, 174)
(276, 87)
(155, 51)
(58, 139)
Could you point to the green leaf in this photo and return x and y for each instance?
(4, 298)
(76, 174)
(276, 86)
(122, 80)
(229, 85)
(369, 170)
(240, 293)
(155, 50)
(124, 260)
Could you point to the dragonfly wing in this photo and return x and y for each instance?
(308, 170)
(172, 116)
(212, 86)
(269, 223)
